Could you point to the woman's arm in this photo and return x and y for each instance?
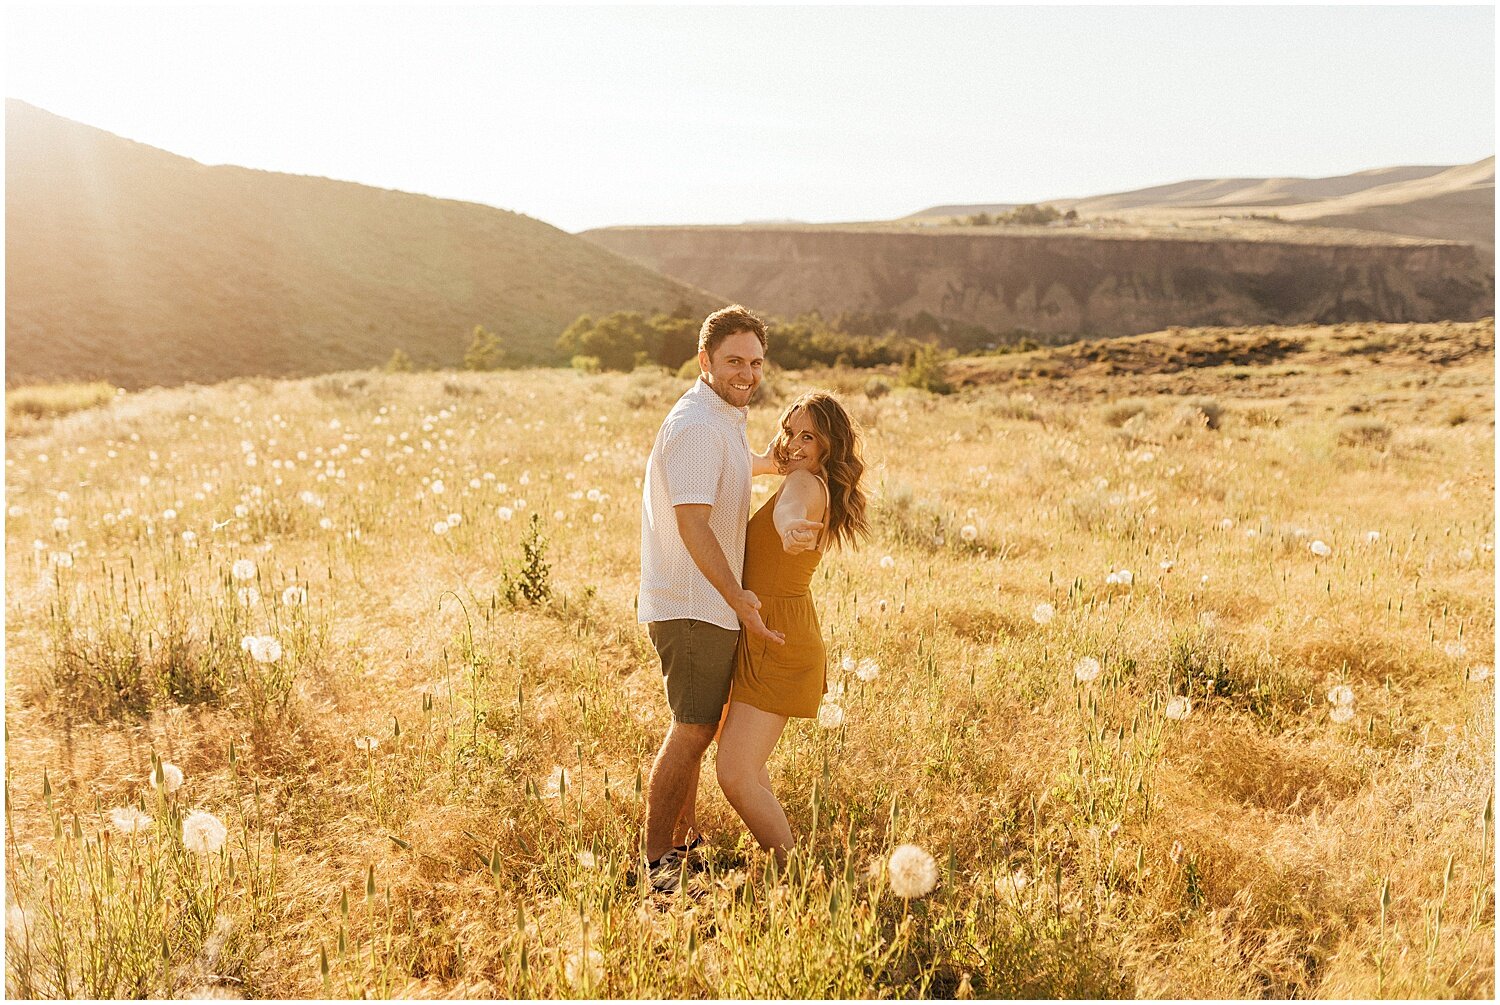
(799, 512)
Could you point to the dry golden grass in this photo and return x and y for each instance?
(1087, 844)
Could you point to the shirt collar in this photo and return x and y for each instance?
(711, 400)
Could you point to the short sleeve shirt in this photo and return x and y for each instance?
(701, 455)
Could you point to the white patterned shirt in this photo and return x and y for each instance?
(701, 455)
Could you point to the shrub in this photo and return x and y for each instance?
(484, 352)
(1364, 432)
(924, 370)
(399, 362)
(57, 399)
(877, 387)
(585, 364)
(1120, 412)
(533, 583)
(1205, 410)
(616, 341)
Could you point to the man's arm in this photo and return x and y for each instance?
(692, 524)
(762, 464)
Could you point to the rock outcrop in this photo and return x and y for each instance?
(1070, 283)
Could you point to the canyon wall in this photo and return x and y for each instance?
(1067, 283)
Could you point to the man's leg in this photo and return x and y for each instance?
(687, 820)
(674, 777)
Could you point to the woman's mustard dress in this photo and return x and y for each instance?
(788, 679)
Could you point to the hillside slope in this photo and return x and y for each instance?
(142, 267)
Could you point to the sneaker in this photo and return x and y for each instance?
(665, 874)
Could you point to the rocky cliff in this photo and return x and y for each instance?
(1069, 282)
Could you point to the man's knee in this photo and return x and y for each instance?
(691, 738)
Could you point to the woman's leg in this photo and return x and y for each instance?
(749, 736)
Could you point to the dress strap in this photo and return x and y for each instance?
(827, 510)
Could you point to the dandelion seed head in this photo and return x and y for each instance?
(505, 512)
(597, 518)
(454, 519)
(1455, 649)
(265, 649)
(1341, 694)
(294, 596)
(587, 860)
(556, 781)
(248, 596)
(1179, 708)
(1320, 549)
(830, 716)
(366, 743)
(1086, 669)
(867, 669)
(887, 562)
(203, 833)
(129, 820)
(170, 777)
(968, 533)
(1341, 713)
(441, 527)
(1043, 613)
(1371, 536)
(584, 967)
(1479, 672)
(61, 524)
(243, 569)
(913, 873)
(847, 664)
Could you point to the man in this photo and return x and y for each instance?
(695, 503)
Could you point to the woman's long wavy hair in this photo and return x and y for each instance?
(843, 466)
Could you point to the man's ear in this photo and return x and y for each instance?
(703, 361)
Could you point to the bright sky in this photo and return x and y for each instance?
(587, 117)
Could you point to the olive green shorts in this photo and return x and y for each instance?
(697, 660)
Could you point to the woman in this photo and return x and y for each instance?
(818, 450)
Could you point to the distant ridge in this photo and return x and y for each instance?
(1454, 203)
(138, 266)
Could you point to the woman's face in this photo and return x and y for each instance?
(800, 444)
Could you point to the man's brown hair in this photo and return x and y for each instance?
(726, 321)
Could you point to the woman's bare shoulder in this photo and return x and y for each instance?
(804, 487)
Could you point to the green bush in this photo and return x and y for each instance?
(924, 370)
(485, 351)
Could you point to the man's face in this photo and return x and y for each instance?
(734, 368)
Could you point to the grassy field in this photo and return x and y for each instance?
(333, 687)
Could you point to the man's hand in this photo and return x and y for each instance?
(800, 536)
(747, 606)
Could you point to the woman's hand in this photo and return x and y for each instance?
(798, 536)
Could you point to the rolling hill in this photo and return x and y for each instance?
(131, 264)
(1446, 203)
